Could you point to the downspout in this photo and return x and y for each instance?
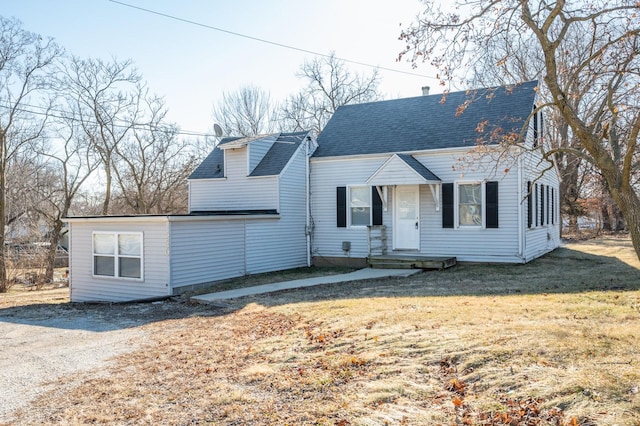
(307, 229)
(189, 195)
(521, 229)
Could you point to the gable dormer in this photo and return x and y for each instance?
(252, 149)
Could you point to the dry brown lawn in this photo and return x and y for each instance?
(553, 342)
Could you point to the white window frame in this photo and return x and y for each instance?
(116, 255)
(349, 206)
(483, 201)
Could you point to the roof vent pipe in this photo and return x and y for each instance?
(425, 90)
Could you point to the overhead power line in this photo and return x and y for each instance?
(261, 40)
(67, 115)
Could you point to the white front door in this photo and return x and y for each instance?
(406, 229)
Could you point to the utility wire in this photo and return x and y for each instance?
(64, 115)
(261, 40)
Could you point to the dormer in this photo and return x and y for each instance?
(254, 148)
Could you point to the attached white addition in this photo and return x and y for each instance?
(406, 235)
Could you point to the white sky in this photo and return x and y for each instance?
(192, 66)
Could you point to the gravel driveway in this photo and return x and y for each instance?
(40, 343)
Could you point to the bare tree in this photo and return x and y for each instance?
(26, 60)
(516, 62)
(597, 96)
(330, 85)
(107, 96)
(153, 164)
(70, 163)
(246, 112)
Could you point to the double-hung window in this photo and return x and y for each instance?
(360, 205)
(470, 204)
(117, 254)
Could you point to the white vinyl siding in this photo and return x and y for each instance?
(207, 250)
(85, 286)
(466, 243)
(282, 245)
(326, 176)
(540, 239)
(236, 191)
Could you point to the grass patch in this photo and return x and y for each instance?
(553, 342)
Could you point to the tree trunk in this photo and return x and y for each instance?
(620, 223)
(629, 205)
(606, 216)
(107, 192)
(4, 285)
(53, 249)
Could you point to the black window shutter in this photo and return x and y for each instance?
(447, 205)
(529, 205)
(553, 206)
(542, 205)
(548, 207)
(491, 208)
(376, 206)
(535, 194)
(341, 202)
(535, 128)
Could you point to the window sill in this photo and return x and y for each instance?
(112, 278)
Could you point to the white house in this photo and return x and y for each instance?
(384, 178)
(409, 165)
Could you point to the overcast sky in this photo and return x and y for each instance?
(191, 66)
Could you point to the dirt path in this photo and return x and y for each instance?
(39, 345)
(45, 339)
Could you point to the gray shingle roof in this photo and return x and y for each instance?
(272, 163)
(278, 156)
(425, 122)
(418, 167)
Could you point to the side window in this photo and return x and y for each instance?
(117, 255)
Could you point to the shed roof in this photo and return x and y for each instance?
(426, 122)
